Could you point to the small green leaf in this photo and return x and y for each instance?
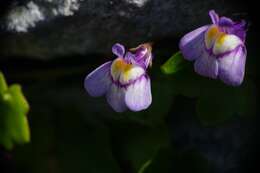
(174, 64)
(145, 166)
(3, 85)
(14, 127)
(18, 120)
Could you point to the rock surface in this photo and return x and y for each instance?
(57, 28)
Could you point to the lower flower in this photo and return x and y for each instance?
(123, 81)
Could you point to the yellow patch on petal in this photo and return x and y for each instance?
(119, 65)
(225, 43)
(211, 36)
(212, 32)
(123, 72)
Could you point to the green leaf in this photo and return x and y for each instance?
(3, 85)
(18, 123)
(14, 127)
(174, 64)
(145, 166)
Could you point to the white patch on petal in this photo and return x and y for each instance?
(130, 75)
(226, 43)
(138, 95)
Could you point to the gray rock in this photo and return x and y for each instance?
(57, 28)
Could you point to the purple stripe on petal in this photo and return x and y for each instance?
(138, 95)
(118, 50)
(192, 44)
(206, 66)
(140, 53)
(116, 98)
(98, 81)
(239, 29)
(214, 16)
(232, 66)
(130, 57)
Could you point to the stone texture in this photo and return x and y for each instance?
(57, 28)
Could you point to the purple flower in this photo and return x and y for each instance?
(124, 80)
(218, 49)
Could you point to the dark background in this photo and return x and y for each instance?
(51, 60)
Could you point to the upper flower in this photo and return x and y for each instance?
(124, 80)
(218, 49)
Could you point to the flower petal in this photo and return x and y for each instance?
(206, 65)
(211, 35)
(118, 50)
(98, 81)
(226, 43)
(192, 44)
(140, 53)
(238, 29)
(131, 74)
(130, 57)
(232, 66)
(214, 16)
(116, 98)
(225, 22)
(138, 95)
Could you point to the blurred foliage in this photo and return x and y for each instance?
(216, 102)
(14, 127)
(168, 160)
(65, 144)
(77, 133)
(88, 136)
(174, 64)
(137, 144)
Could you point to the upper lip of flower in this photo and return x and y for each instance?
(229, 26)
(142, 55)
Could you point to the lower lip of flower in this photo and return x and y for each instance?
(125, 85)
